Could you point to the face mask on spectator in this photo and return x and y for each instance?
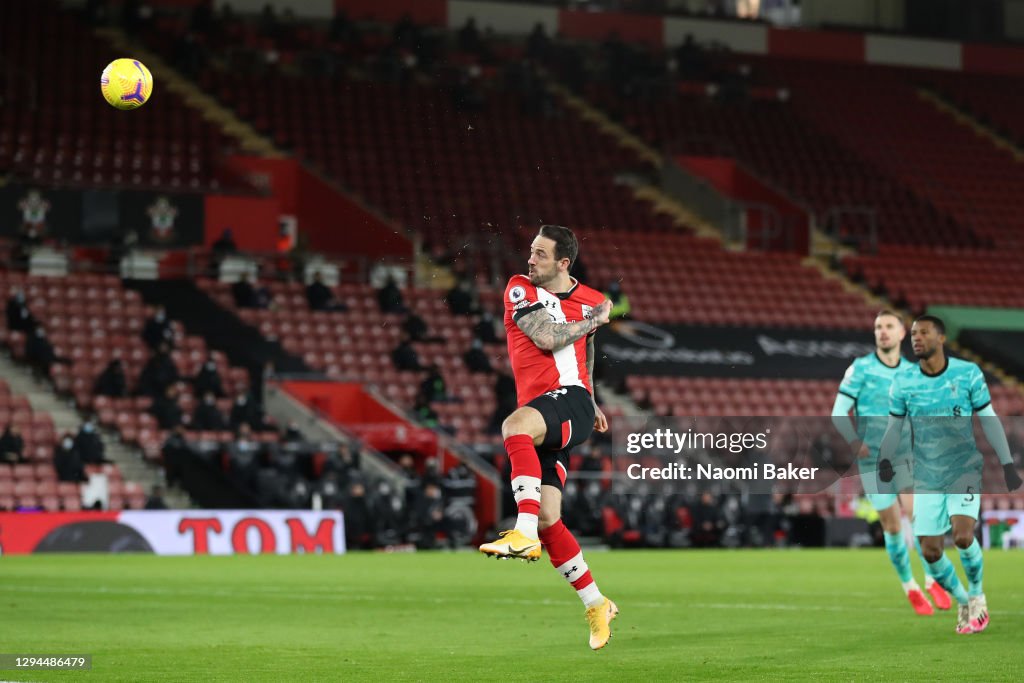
(67, 443)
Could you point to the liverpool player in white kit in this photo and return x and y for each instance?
(550, 319)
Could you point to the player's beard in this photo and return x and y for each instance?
(539, 280)
(925, 353)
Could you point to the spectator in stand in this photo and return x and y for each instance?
(424, 414)
(358, 520)
(329, 489)
(159, 373)
(268, 25)
(432, 472)
(112, 381)
(67, 461)
(244, 293)
(433, 387)
(592, 466)
(469, 37)
(389, 298)
(243, 454)
(579, 271)
(89, 444)
(389, 516)
(207, 417)
(208, 379)
(12, 446)
(40, 354)
(155, 500)
(476, 359)
(538, 43)
(505, 393)
(462, 299)
(19, 319)
(707, 522)
(224, 245)
(413, 481)
(291, 434)
(174, 451)
(484, 329)
(416, 328)
(245, 412)
(620, 302)
(429, 519)
(320, 296)
(459, 485)
(404, 356)
(157, 330)
(348, 460)
(166, 409)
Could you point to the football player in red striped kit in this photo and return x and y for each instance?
(550, 318)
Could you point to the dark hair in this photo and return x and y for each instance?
(566, 245)
(889, 311)
(939, 325)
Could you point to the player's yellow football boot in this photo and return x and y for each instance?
(513, 544)
(599, 619)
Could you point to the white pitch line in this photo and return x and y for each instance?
(342, 596)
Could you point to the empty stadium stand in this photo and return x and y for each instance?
(57, 130)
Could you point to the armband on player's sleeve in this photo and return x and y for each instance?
(524, 307)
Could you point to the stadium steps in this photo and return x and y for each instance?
(612, 401)
(222, 329)
(67, 420)
(964, 118)
(167, 77)
(684, 218)
(590, 113)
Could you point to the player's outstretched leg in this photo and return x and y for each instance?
(974, 568)
(521, 542)
(899, 554)
(567, 558)
(896, 547)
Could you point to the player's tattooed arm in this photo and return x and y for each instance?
(552, 336)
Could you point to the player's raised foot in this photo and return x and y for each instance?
(939, 595)
(978, 613)
(919, 602)
(599, 619)
(963, 620)
(513, 544)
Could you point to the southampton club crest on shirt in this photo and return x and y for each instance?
(162, 215)
(587, 311)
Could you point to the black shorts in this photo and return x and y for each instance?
(568, 414)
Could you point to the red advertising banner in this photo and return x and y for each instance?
(253, 221)
(174, 532)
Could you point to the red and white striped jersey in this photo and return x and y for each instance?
(538, 371)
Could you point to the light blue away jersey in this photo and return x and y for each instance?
(867, 382)
(939, 408)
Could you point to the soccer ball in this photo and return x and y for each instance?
(126, 83)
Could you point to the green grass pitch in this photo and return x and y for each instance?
(746, 615)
